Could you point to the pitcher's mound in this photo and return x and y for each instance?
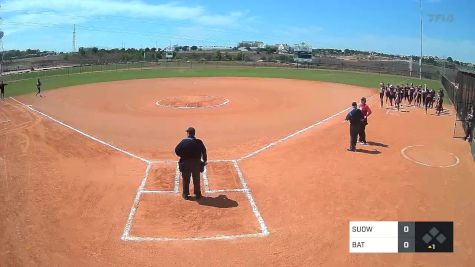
(430, 156)
(198, 101)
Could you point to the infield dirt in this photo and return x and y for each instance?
(65, 198)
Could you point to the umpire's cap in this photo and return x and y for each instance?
(190, 131)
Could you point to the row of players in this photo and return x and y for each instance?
(420, 96)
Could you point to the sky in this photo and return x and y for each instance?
(377, 25)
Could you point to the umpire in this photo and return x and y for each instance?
(355, 116)
(191, 151)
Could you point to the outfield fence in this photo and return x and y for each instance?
(394, 67)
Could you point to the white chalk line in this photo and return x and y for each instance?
(225, 102)
(403, 153)
(209, 191)
(262, 226)
(245, 189)
(292, 135)
(135, 204)
(255, 210)
(252, 154)
(158, 192)
(176, 189)
(205, 180)
(81, 132)
(216, 237)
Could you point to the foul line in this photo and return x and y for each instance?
(141, 190)
(255, 210)
(133, 210)
(81, 132)
(252, 154)
(292, 135)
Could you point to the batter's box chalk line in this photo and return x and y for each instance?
(263, 231)
(141, 190)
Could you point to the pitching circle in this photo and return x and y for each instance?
(192, 102)
(427, 163)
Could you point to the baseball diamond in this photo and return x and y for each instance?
(123, 145)
(210, 133)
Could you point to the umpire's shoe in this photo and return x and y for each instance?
(186, 197)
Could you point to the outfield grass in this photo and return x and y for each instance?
(370, 80)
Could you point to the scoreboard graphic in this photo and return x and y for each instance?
(400, 237)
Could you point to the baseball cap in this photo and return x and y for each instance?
(190, 130)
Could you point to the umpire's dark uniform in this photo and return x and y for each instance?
(191, 151)
(355, 117)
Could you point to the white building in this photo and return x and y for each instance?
(253, 45)
(283, 49)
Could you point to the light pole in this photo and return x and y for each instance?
(420, 59)
(3, 52)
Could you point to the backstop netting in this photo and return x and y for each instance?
(462, 94)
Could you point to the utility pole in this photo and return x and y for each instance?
(74, 38)
(1, 44)
(420, 59)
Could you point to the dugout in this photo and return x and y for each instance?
(462, 94)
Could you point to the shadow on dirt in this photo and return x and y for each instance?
(372, 152)
(221, 201)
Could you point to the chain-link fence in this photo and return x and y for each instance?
(462, 93)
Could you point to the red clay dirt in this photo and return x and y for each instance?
(65, 198)
(259, 111)
(166, 215)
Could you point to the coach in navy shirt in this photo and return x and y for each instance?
(191, 151)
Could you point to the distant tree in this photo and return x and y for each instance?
(94, 50)
(240, 56)
(194, 48)
(218, 56)
(82, 51)
(449, 59)
(185, 48)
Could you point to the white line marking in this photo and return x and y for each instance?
(403, 153)
(228, 190)
(140, 191)
(217, 237)
(292, 135)
(82, 133)
(220, 160)
(297, 133)
(225, 102)
(177, 179)
(158, 192)
(133, 210)
(205, 180)
(260, 220)
(163, 161)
